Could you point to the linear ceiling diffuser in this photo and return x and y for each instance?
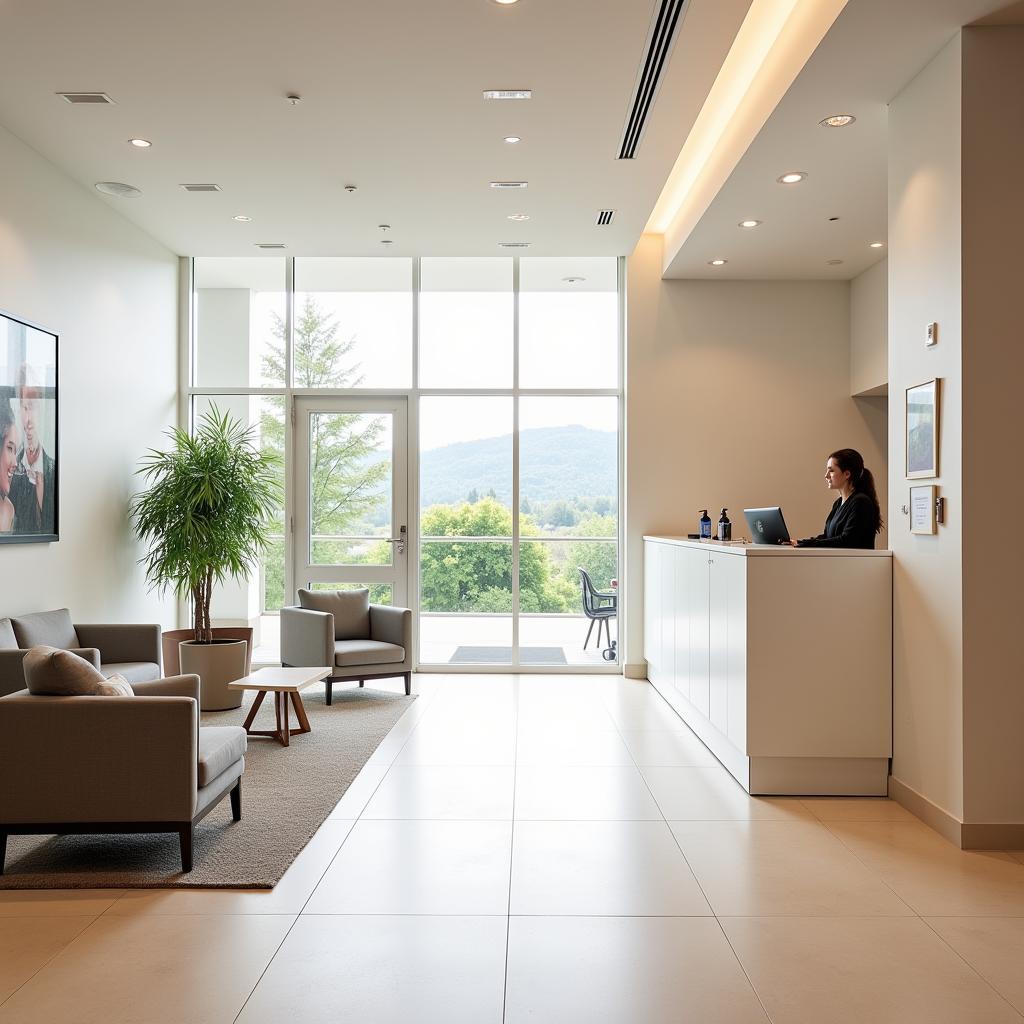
(659, 47)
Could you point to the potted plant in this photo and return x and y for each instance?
(206, 518)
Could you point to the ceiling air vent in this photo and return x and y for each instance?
(201, 188)
(510, 184)
(659, 47)
(271, 245)
(605, 217)
(85, 97)
(514, 245)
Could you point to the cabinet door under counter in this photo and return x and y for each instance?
(779, 659)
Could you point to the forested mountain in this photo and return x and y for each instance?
(556, 462)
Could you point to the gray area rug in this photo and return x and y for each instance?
(287, 793)
(503, 656)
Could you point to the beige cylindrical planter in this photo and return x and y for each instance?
(216, 664)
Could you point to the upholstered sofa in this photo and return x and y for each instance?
(341, 628)
(132, 651)
(91, 764)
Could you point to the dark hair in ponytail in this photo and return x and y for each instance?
(851, 461)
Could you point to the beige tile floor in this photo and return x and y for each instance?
(549, 849)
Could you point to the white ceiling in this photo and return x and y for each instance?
(391, 102)
(874, 48)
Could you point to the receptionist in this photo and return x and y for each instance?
(856, 516)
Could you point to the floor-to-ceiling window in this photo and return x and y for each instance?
(449, 436)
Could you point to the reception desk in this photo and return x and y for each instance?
(778, 658)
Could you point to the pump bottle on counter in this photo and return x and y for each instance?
(705, 525)
(724, 527)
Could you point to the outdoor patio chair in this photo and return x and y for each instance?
(599, 606)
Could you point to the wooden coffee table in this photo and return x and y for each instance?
(283, 683)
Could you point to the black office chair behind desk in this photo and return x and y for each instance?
(599, 606)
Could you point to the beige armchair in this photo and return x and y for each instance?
(342, 629)
(115, 764)
(132, 651)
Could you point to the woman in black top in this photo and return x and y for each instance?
(856, 515)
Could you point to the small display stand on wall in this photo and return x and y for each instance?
(923, 504)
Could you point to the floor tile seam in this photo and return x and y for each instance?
(511, 853)
(49, 960)
(871, 871)
(355, 821)
(743, 968)
(675, 838)
(266, 967)
(967, 964)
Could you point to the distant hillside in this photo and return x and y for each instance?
(556, 462)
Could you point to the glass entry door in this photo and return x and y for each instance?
(351, 522)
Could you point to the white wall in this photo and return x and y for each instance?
(869, 331)
(735, 394)
(73, 265)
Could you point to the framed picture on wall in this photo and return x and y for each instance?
(922, 425)
(29, 461)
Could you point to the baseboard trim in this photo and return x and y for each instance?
(931, 814)
(966, 835)
(636, 671)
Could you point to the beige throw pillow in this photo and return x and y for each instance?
(350, 608)
(57, 673)
(115, 686)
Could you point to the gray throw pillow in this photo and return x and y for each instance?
(350, 608)
(53, 628)
(57, 673)
(8, 641)
(115, 686)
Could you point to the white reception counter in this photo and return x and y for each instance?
(780, 659)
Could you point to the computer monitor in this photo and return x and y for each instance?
(766, 525)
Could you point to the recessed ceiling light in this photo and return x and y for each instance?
(508, 94)
(877, 245)
(241, 218)
(791, 177)
(118, 189)
(141, 143)
(573, 279)
(518, 216)
(833, 263)
(749, 223)
(512, 139)
(717, 263)
(837, 121)
(506, 3)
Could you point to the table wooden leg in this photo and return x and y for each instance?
(251, 717)
(300, 712)
(285, 732)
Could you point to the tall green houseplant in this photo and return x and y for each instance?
(207, 512)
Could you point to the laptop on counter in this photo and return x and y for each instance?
(766, 525)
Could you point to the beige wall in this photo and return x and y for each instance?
(993, 368)
(735, 394)
(924, 286)
(73, 265)
(869, 331)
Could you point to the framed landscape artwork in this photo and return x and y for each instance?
(922, 424)
(29, 460)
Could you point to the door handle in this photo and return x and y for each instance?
(399, 540)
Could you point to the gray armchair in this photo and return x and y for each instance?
(132, 651)
(115, 764)
(342, 629)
